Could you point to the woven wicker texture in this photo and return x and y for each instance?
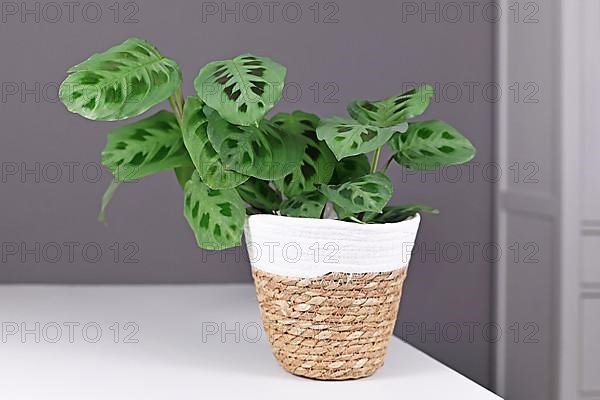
(333, 327)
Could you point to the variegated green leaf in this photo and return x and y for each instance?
(346, 137)
(431, 144)
(317, 162)
(203, 155)
(393, 110)
(242, 90)
(367, 193)
(259, 195)
(306, 205)
(399, 213)
(262, 151)
(122, 82)
(145, 147)
(216, 216)
(350, 168)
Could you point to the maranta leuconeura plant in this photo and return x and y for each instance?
(233, 160)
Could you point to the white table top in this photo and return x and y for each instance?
(180, 352)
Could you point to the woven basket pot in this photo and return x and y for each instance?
(329, 290)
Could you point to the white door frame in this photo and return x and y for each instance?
(564, 210)
(571, 143)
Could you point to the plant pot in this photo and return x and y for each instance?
(329, 290)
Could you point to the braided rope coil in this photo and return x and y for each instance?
(333, 327)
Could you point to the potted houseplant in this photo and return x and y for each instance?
(329, 255)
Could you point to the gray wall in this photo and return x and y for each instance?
(370, 52)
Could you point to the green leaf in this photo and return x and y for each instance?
(346, 137)
(145, 147)
(350, 168)
(343, 214)
(367, 193)
(184, 174)
(106, 198)
(399, 213)
(122, 82)
(306, 205)
(259, 195)
(242, 90)
(203, 155)
(216, 216)
(431, 144)
(262, 151)
(317, 162)
(393, 110)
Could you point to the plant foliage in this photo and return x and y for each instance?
(231, 160)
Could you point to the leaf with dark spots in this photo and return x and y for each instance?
(392, 214)
(367, 193)
(215, 216)
(348, 138)
(259, 195)
(122, 82)
(250, 87)
(306, 205)
(350, 168)
(144, 147)
(431, 144)
(264, 151)
(203, 155)
(392, 110)
(317, 162)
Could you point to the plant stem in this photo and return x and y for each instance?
(375, 160)
(179, 99)
(176, 102)
(387, 164)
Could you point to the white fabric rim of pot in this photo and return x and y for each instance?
(308, 247)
